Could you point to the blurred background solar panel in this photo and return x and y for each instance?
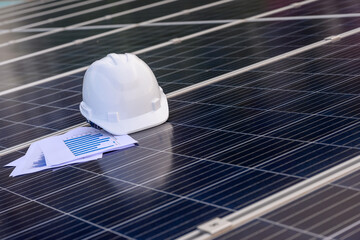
(226, 145)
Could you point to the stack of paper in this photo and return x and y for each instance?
(78, 145)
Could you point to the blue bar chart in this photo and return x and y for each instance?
(89, 143)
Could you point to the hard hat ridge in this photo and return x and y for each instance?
(121, 95)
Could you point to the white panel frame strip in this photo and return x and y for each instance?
(219, 226)
(173, 41)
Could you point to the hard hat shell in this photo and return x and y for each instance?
(122, 96)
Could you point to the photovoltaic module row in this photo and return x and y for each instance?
(223, 149)
(57, 11)
(32, 7)
(323, 8)
(248, 41)
(332, 212)
(63, 37)
(53, 106)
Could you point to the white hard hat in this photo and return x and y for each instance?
(122, 96)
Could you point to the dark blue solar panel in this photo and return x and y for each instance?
(224, 147)
(331, 212)
(31, 214)
(62, 227)
(323, 8)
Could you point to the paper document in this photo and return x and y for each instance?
(78, 145)
(81, 142)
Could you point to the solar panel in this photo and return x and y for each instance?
(226, 146)
(331, 212)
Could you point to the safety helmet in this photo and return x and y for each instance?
(122, 96)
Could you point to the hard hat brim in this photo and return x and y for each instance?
(131, 125)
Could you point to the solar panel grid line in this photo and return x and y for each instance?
(79, 41)
(35, 106)
(322, 201)
(28, 124)
(272, 160)
(13, 207)
(45, 222)
(249, 188)
(291, 228)
(143, 186)
(266, 231)
(174, 219)
(287, 195)
(12, 12)
(319, 202)
(26, 144)
(75, 26)
(325, 16)
(353, 225)
(113, 32)
(217, 48)
(75, 230)
(210, 51)
(250, 67)
(81, 3)
(20, 6)
(296, 173)
(84, 68)
(183, 223)
(280, 72)
(70, 15)
(295, 140)
(293, 5)
(20, 231)
(351, 178)
(265, 19)
(284, 126)
(63, 214)
(338, 214)
(45, 80)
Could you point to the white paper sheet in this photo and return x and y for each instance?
(81, 143)
(78, 145)
(15, 163)
(34, 161)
